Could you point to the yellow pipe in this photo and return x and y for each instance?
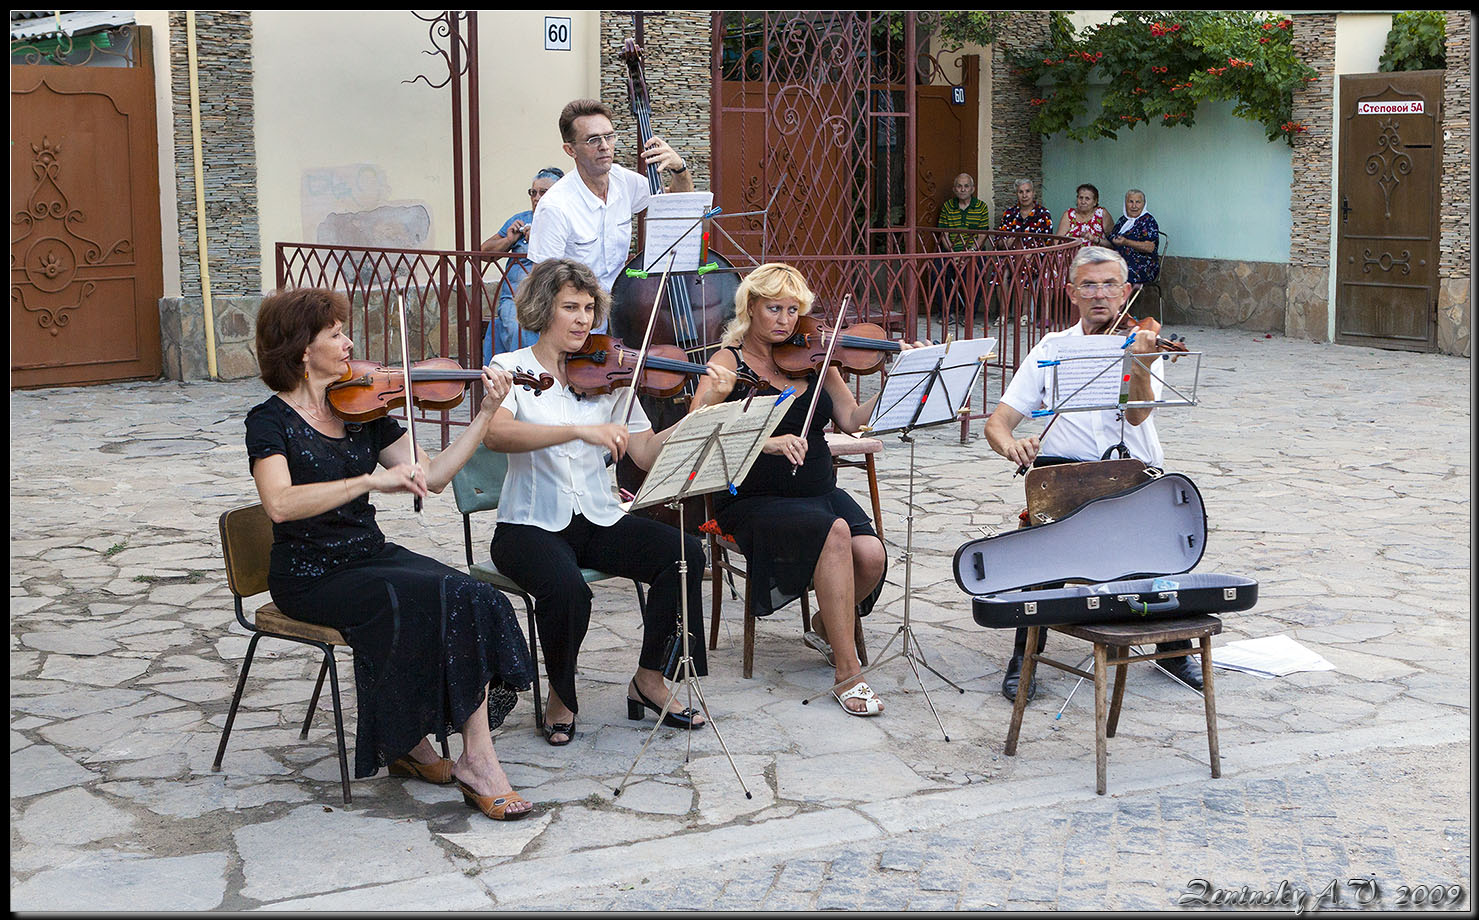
(205, 265)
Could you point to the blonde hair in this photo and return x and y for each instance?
(771, 281)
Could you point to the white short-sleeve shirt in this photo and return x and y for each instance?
(547, 487)
(572, 223)
(1079, 435)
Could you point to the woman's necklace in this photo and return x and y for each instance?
(320, 417)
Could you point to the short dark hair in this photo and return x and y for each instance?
(286, 323)
(1090, 188)
(579, 109)
(535, 299)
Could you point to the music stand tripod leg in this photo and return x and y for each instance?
(689, 679)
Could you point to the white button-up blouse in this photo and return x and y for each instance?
(547, 487)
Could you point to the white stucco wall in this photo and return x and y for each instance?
(349, 152)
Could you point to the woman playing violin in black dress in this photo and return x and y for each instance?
(800, 529)
(431, 645)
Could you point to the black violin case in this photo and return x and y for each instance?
(1132, 551)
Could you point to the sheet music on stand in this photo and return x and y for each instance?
(1093, 372)
(905, 401)
(675, 226)
(710, 449)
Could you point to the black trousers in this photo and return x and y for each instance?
(547, 565)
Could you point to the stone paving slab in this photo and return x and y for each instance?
(1338, 477)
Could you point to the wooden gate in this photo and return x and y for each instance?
(1387, 244)
(85, 267)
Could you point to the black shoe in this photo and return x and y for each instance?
(1184, 669)
(1013, 679)
(551, 729)
(674, 719)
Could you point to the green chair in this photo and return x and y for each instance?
(478, 486)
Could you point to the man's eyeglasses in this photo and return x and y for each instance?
(596, 141)
(1096, 289)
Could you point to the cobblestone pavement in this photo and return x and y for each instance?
(1338, 477)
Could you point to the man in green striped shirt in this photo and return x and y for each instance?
(966, 212)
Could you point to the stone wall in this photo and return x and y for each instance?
(1223, 293)
(224, 77)
(676, 60)
(1455, 265)
(1307, 298)
(1016, 150)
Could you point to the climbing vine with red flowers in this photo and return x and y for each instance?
(1160, 66)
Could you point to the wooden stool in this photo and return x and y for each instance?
(1111, 646)
(843, 448)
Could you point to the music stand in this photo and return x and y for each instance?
(927, 386)
(1091, 375)
(710, 449)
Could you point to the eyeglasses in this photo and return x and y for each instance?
(1094, 290)
(596, 141)
(537, 192)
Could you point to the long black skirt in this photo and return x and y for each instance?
(782, 539)
(428, 640)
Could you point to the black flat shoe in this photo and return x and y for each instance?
(1184, 669)
(551, 729)
(1013, 679)
(674, 719)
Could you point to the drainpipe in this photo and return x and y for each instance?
(204, 249)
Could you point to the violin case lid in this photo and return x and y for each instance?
(1158, 527)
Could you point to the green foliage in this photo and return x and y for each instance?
(1160, 66)
(976, 27)
(1415, 42)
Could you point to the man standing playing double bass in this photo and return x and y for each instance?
(587, 216)
(1098, 287)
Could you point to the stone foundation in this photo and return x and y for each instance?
(1221, 293)
(1455, 307)
(1308, 315)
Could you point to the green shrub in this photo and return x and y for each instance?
(1415, 42)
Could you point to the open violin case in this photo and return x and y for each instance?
(1132, 551)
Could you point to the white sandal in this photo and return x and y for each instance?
(814, 640)
(872, 705)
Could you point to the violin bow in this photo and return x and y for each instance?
(1022, 470)
(822, 377)
(662, 286)
(400, 311)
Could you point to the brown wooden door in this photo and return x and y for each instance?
(947, 142)
(1386, 274)
(85, 266)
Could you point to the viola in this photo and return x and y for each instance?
(369, 391)
(604, 363)
(860, 348)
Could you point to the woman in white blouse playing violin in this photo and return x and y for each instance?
(558, 512)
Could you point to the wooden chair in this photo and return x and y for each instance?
(1112, 642)
(1053, 492)
(725, 555)
(478, 486)
(1163, 245)
(246, 548)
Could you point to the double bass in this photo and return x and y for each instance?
(699, 306)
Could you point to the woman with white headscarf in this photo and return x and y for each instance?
(1137, 237)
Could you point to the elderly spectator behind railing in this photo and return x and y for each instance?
(1086, 220)
(513, 236)
(1137, 237)
(966, 212)
(1027, 216)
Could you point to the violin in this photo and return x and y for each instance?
(1149, 324)
(368, 391)
(860, 348)
(604, 363)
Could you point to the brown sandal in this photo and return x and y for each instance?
(439, 773)
(494, 806)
